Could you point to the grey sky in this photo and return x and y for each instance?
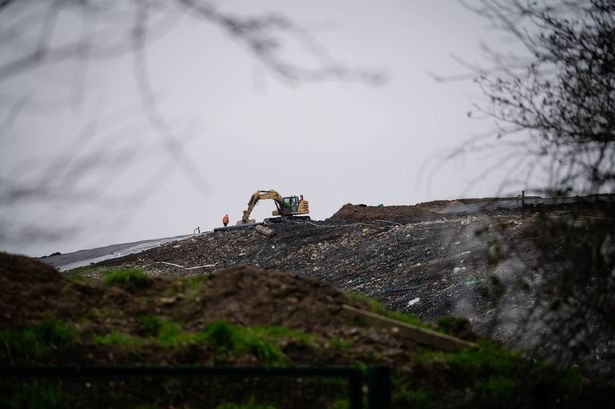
(246, 129)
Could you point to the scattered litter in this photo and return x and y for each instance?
(187, 268)
(413, 301)
(468, 220)
(458, 269)
(472, 282)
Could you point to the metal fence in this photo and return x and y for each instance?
(376, 378)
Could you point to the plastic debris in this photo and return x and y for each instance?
(413, 301)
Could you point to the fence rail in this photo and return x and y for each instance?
(377, 379)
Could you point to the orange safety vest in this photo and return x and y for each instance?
(225, 219)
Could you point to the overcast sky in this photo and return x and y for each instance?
(241, 127)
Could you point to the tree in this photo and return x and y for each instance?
(564, 96)
(555, 107)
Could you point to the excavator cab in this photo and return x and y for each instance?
(290, 204)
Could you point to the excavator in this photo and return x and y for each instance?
(285, 206)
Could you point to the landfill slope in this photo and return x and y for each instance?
(418, 259)
(429, 268)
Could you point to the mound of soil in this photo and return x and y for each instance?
(31, 292)
(399, 214)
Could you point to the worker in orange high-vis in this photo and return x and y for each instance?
(225, 220)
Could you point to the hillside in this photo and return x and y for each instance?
(434, 259)
(243, 316)
(281, 296)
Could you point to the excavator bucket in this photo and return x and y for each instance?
(251, 221)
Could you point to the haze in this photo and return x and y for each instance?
(240, 126)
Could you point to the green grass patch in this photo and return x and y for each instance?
(260, 341)
(151, 324)
(228, 338)
(35, 342)
(489, 359)
(504, 378)
(165, 333)
(225, 338)
(378, 308)
(172, 335)
(195, 282)
(85, 273)
(131, 277)
(115, 338)
(500, 392)
(339, 344)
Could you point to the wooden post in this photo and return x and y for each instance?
(417, 334)
(378, 387)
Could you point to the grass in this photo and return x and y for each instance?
(406, 392)
(151, 324)
(503, 378)
(225, 338)
(378, 308)
(195, 282)
(260, 341)
(130, 277)
(35, 342)
(115, 338)
(85, 273)
(339, 344)
(500, 392)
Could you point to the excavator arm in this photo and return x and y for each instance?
(261, 195)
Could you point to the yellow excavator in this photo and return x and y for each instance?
(285, 206)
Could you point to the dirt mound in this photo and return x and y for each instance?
(31, 290)
(399, 214)
(248, 296)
